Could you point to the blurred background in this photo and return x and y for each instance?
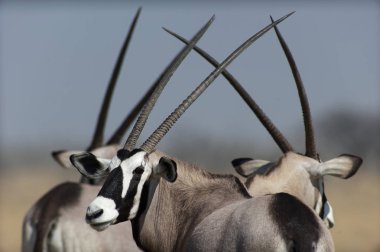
(56, 58)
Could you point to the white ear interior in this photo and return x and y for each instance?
(249, 167)
(90, 166)
(105, 162)
(343, 166)
(107, 152)
(62, 157)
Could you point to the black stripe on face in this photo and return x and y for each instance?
(113, 186)
(324, 199)
(135, 222)
(322, 212)
(127, 202)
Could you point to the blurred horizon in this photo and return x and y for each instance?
(57, 57)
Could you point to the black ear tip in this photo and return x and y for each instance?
(56, 153)
(357, 162)
(239, 161)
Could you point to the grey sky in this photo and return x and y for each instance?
(57, 58)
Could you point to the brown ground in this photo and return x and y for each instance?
(356, 205)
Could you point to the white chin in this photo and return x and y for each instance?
(102, 226)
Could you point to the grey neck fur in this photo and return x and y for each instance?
(174, 209)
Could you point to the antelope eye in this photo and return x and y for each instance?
(138, 171)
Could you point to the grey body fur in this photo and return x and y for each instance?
(205, 212)
(56, 223)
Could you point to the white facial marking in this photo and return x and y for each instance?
(115, 162)
(108, 206)
(329, 215)
(318, 205)
(136, 200)
(128, 166)
(106, 152)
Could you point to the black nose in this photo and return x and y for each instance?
(94, 215)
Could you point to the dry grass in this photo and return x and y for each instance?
(356, 205)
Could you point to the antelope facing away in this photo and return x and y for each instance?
(264, 177)
(176, 206)
(297, 174)
(55, 222)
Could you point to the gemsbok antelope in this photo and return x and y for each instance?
(264, 177)
(176, 206)
(297, 181)
(300, 175)
(55, 222)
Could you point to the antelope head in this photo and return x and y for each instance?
(130, 173)
(298, 174)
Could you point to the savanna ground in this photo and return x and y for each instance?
(356, 205)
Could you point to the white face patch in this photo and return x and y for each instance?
(318, 205)
(136, 201)
(109, 213)
(324, 205)
(128, 166)
(115, 162)
(328, 215)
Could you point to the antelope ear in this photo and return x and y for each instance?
(62, 157)
(90, 166)
(343, 166)
(166, 169)
(247, 166)
(107, 151)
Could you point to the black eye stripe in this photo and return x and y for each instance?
(322, 212)
(127, 203)
(113, 186)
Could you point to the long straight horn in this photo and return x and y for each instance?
(162, 81)
(98, 136)
(160, 132)
(277, 136)
(309, 131)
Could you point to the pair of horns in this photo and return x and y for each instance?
(278, 137)
(165, 126)
(161, 83)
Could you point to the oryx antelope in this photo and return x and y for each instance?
(176, 206)
(298, 174)
(292, 179)
(55, 222)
